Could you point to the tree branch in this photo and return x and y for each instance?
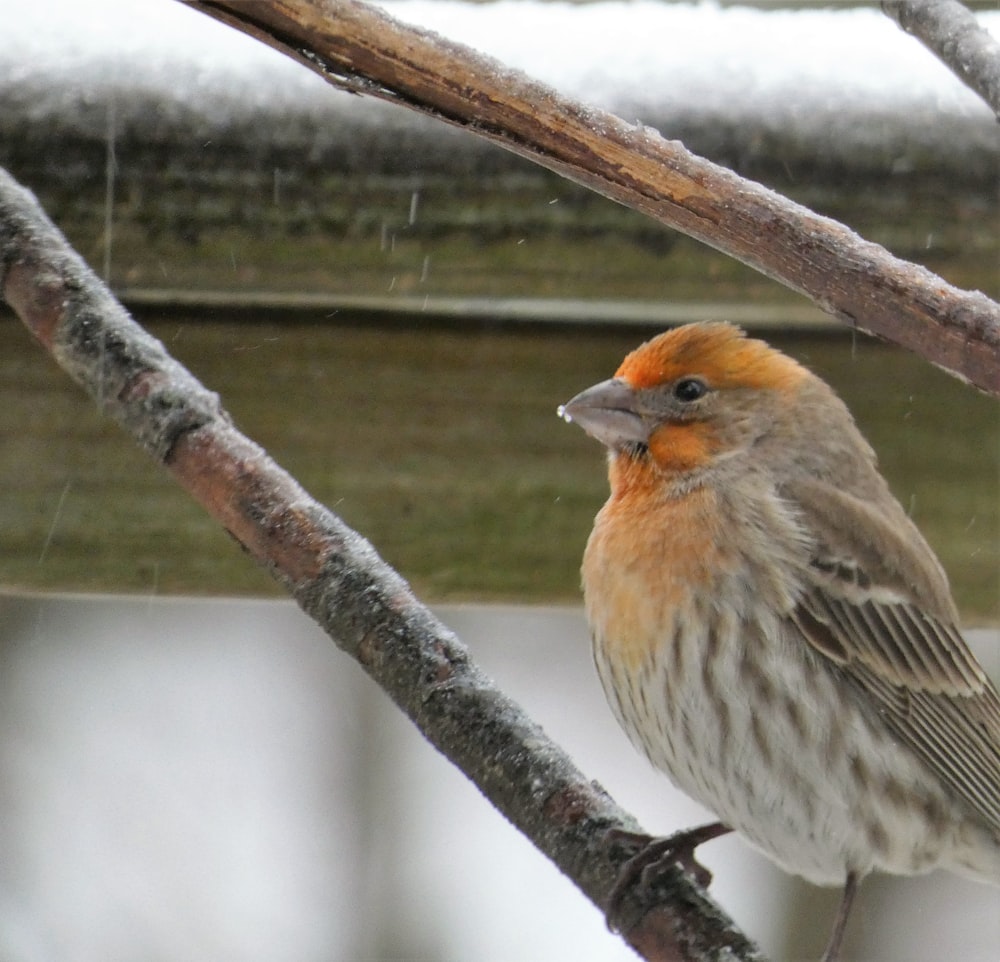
(363, 50)
(950, 31)
(338, 578)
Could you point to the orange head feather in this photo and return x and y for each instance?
(718, 352)
(654, 426)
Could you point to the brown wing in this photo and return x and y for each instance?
(920, 677)
(910, 665)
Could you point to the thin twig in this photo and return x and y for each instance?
(337, 578)
(961, 42)
(362, 49)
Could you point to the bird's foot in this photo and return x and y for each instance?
(651, 859)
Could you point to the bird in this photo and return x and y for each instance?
(770, 628)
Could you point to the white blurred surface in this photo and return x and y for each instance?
(802, 67)
(212, 779)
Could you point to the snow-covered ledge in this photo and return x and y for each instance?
(844, 86)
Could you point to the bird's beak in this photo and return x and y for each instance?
(608, 412)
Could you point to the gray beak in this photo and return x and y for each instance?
(608, 412)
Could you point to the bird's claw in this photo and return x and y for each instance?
(651, 859)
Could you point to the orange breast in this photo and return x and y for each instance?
(645, 562)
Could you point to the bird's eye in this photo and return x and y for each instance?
(690, 389)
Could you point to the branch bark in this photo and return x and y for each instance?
(363, 50)
(338, 578)
(951, 31)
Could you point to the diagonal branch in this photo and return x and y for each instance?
(951, 31)
(337, 577)
(363, 50)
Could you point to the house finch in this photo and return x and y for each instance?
(770, 628)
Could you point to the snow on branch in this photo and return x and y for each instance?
(951, 31)
(363, 50)
(338, 578)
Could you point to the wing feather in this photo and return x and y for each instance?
(950, 721)
(891, 633)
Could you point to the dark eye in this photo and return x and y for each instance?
(690, 389)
